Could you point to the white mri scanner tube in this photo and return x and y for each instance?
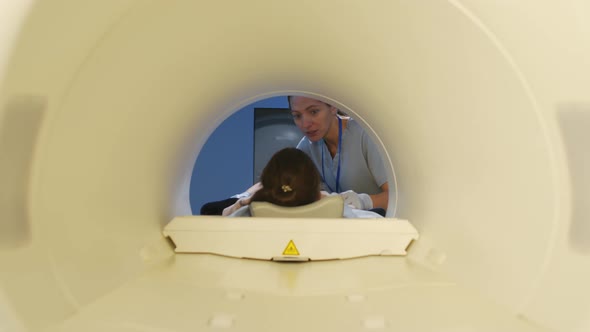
(481, 107)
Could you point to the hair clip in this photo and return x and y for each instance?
(286, 188)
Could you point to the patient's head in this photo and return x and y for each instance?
(289, 179)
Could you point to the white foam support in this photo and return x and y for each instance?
(268, 238)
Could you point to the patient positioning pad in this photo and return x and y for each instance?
(327, 207)
(290, 234)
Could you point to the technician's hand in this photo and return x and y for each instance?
(357, 201)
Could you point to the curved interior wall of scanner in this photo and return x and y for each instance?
(463, 97)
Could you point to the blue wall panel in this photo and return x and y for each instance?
(225, 164)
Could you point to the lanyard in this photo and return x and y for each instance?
(339, 156)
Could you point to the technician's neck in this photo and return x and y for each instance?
(332, 138)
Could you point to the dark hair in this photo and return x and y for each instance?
(290, 178)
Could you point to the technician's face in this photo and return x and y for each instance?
(313, 117)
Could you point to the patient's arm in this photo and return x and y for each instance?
(250, 191)
(238, 204)
(243, 199)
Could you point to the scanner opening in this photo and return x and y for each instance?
(234, 154)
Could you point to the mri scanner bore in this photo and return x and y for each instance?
(347, 160)
(464, 96)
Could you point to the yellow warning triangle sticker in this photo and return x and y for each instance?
(291, 249)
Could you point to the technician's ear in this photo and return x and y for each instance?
(333, 110)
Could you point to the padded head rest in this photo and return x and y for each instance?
(327, 207)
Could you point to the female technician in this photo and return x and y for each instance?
(347, 159)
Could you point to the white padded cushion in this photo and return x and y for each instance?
(327, 207)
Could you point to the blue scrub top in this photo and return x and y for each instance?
(362, 169)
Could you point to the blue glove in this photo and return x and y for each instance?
(357, 201)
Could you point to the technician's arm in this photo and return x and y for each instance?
(381, 199)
